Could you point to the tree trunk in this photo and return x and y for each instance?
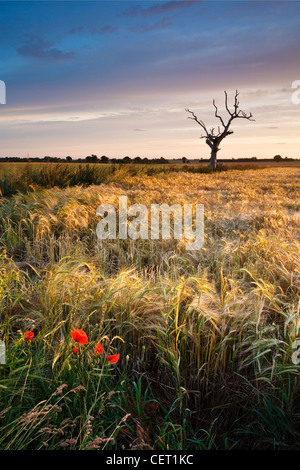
(213, 157)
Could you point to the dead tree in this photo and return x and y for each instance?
(214, 140)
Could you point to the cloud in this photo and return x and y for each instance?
(157, 9)
(166, 7)
(38, 48)
(78, 29)
(142, 28)
(107, 29)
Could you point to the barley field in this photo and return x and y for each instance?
(201, 341)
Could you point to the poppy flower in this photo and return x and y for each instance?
(79, 336)
(98, 349)
(75, 350)
(28, 335)
(113, 359)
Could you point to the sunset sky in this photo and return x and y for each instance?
(114, 77)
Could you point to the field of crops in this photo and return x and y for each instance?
(201, 340)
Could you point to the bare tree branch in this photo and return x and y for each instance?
(201, 123)
(216, 114)
(226, 103)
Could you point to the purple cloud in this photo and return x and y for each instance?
(166, 7)
(158, 9)
(38, 48)
(107, 29)
(140, 28)
(77, 30)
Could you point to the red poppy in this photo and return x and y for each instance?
(79, 336)
(113, 359)
(98, 349)
(75, 350)
(28, 335)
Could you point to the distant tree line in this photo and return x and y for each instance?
(125, 160)
(89, 159)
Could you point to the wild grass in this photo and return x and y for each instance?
(205, 337)
(24, 177)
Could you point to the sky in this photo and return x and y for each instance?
(114, 77)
